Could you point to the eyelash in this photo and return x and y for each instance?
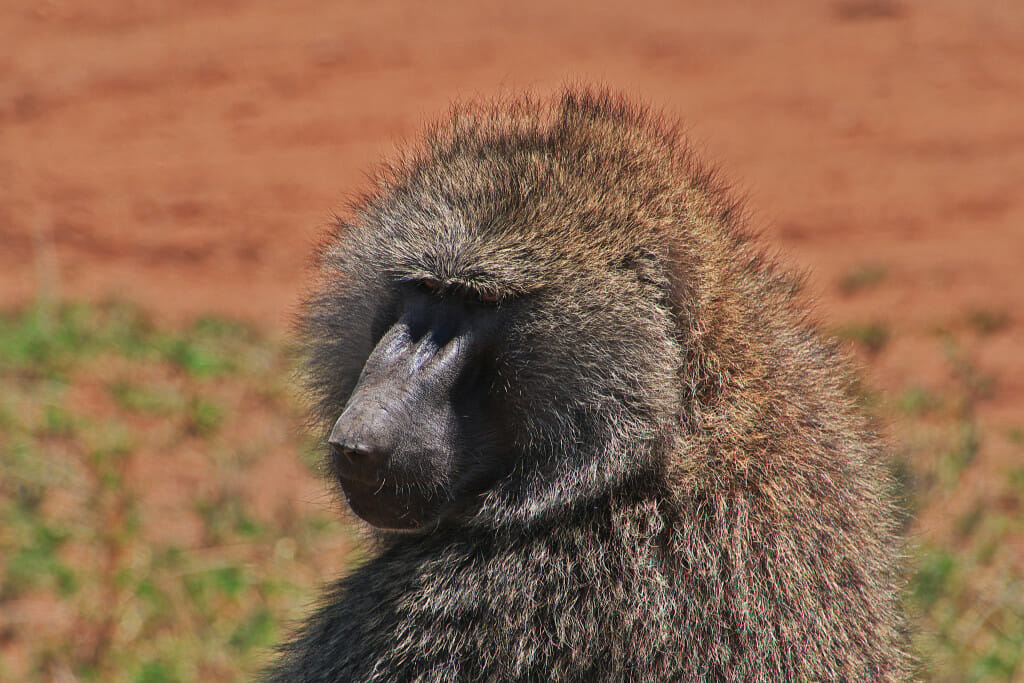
(432, 286)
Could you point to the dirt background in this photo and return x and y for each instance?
(185, 155)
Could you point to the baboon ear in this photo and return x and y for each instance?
(650, 272)
(668, 277)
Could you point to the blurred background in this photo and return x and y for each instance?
(166, 168)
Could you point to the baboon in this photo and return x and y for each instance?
(594, 432)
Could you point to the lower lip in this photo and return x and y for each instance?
(359, 482)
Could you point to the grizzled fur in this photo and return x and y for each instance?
(695, 494)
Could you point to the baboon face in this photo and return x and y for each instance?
(468, 395)
(464, 396)
(493, 335)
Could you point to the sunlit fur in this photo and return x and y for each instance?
(695, 495)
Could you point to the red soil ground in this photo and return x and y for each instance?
(186, 155)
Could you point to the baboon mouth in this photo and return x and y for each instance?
(348, 479)
(389, 505)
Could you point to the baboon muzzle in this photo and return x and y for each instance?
(396, 440)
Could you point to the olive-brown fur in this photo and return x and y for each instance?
(695, 495)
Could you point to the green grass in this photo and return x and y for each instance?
(862, 278)
(203, 416)
(132, 397)
(872, 337)
(99, 410)
(966, 592)
(919, 402)
(131, 490)
(986, 321)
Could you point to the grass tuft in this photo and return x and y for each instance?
(103, 544)
(863, 278)
(986, 321)
(872, 337)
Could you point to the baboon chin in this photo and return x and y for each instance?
(591, 426)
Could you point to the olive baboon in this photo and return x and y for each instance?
(593, 430)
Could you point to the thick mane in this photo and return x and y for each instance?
(678, 484)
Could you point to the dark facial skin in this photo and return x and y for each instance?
(418, 440)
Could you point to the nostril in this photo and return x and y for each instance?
(339, 452)
(355, 459)
(352, 454)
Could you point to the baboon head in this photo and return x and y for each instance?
(495, 330)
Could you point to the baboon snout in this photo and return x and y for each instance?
(399, 431)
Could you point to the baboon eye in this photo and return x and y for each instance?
(489, 297)
(430, 284)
